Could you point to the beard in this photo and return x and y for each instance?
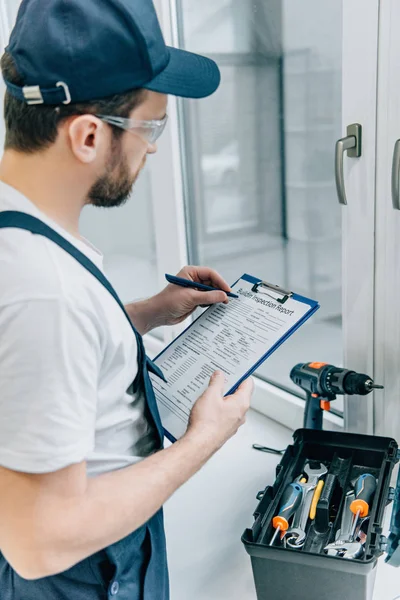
(114, 188)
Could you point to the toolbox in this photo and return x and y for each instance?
(308, 573)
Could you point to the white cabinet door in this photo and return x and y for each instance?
(387, 281)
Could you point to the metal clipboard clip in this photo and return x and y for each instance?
(274, 288)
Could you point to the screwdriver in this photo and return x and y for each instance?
(364, 490)
(290, 502)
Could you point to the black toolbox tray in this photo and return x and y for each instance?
(282, 573)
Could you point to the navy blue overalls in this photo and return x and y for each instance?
(135, 568)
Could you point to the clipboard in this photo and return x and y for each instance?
(263, 293)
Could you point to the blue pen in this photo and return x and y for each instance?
(194, 284)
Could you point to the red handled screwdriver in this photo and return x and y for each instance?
(290, 502)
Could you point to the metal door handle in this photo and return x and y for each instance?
(396, 176)
(351, 144)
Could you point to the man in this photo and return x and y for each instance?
(83, 475)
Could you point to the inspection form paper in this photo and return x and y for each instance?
(235, 338)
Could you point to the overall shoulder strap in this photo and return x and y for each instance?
(20, 220)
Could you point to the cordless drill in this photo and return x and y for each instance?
(322, 383)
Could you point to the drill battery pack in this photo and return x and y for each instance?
(283, 571)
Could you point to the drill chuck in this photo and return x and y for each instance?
(357, 383)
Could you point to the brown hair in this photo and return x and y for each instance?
(33, 128)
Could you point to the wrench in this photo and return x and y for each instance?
(296, 535)
(349, 550)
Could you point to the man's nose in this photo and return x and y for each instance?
(152, 149)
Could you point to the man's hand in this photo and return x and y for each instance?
(174, 304)
(216, 418)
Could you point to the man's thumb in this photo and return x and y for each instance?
(217, 381)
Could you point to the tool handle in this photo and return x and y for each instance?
(313, 415)
(322, 516)
(290, 502)
(364, 490)
(315, 500)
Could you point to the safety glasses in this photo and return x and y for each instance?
(148, 130)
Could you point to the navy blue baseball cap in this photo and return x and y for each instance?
(83, 50)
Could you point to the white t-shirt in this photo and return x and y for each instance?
(68, 357)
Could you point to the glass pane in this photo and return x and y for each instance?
(223, 22)
(259, 157)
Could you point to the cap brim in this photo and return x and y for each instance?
(187, 75)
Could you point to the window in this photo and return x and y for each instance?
(259, 154)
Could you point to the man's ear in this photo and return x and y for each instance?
(87, 137)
